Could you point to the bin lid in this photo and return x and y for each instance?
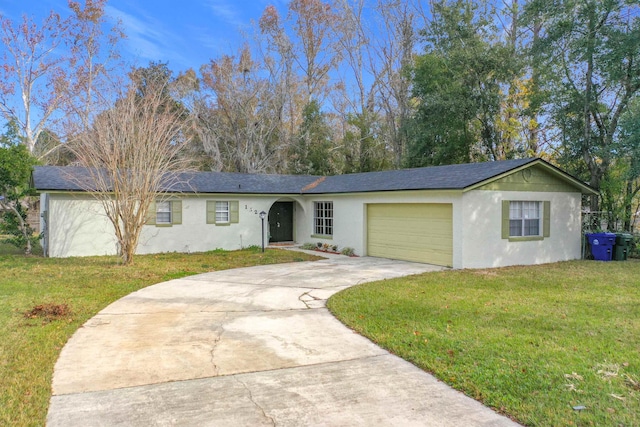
(623, 237)
(603, 234)
(602, 239)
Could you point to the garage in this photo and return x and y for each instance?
(419, 232)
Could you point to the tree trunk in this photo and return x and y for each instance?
(24, 228)
(594, 169)
(627, 206)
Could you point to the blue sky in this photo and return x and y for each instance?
(185, 33)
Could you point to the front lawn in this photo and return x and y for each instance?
(61, 294)
(532, 342)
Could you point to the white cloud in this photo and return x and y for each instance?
(214, 45)
(226, 11)
(146, 39)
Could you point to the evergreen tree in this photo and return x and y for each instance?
(588, 55)
(311, 153)
(461, 86)
(15, 170)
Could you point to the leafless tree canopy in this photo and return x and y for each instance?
(56, 68)
(132, 152)
(239, 114)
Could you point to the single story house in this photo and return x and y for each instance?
(478, 215)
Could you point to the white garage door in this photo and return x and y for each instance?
(420, 232)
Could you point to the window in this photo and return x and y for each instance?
(222, 212)
(163, 212)
(323, 218)
(524, 219)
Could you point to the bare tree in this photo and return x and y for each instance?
(132, 155)
(314, 49)
(377, 43)
(94, 61)
(277, 54)
(363, 147)
(32, 68)
(395, 54)
(55, 68)
(206, 131)
(240, 118)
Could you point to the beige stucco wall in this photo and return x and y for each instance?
(483, 244)
(195, 235)
(79, 227)
(477, 225)
(350, 222)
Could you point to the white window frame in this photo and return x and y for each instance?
(164, 214)
(525, 218)
(223, 213)
(323, 218)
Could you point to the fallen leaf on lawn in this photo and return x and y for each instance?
(631, 382)
(574, 376)
(572, 387)
(608, 370)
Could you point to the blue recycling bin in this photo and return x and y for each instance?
(602, 245)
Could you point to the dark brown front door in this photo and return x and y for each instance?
(281, 222)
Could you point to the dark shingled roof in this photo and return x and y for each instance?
(231, 182)
(452, 177)
(67, 178)
(71, 178)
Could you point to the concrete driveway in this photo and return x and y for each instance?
(248, 347)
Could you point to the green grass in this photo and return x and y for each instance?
(7, 249)
(29, 347)
(531, 342)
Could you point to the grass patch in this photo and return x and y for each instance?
(531, 342)
(8, 249)
(43, 301)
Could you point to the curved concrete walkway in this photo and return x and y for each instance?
(248, 347)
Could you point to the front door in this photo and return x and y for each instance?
(281, 222)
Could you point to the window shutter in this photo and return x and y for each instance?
(176, 212)
(151, 213)
(211, 211)
(505, 219)
(234, 212)
(546, 219)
